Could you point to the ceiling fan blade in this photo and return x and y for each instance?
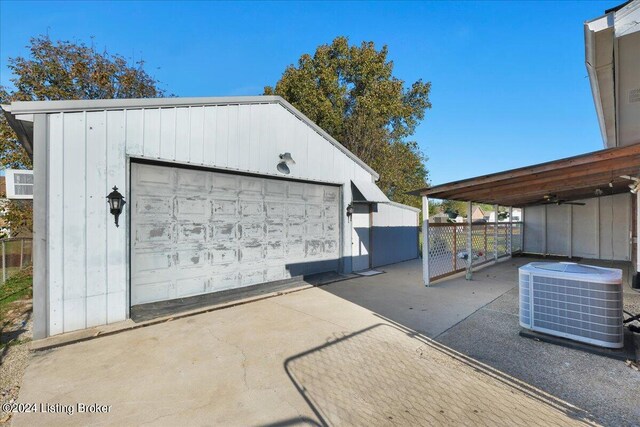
(574, 203)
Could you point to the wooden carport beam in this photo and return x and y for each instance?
(550, 183)
(584, 159)
(589, 193)
(567, 190)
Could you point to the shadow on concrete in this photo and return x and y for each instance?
(385, 374)
(298, 421)
(402, 296)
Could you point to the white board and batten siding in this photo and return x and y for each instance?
(598, 230)
(90, 152)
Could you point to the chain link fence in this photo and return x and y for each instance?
(15, 255)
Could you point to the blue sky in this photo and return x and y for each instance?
(509, 85)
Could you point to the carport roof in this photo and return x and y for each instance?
(572, 178)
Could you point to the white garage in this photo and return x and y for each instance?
(223, 196)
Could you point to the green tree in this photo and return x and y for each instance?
(350, 91)
(454, 206)
(64, 70)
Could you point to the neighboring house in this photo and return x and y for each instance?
(587, 205)
(237, 194)
(478, 214)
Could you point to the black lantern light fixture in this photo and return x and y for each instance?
(349, 211)
(116, 202)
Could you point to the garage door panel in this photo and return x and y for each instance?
(314, 194)
(195, 232)
(252, 208)
(314, 211)
(153, 234)
(153, 291)
(151, 262)
(313, 229)
(220, 231)
(221, 282)
(275, 210)
(251, 252)
(330, 212)
(275, 231)
(314, 248)
(295, 210)
(331, 196)
(275, 190)
(276, 273)
(192, 181)
(331, 247)
(191, 286)
(224, 208)
(223, 254)
(194, 206)
(295, 191)
(331, 230)
(154, 205)
(251, 230)
(251, 188)
(252, 276)
(274, 251)
(192, 259)
(154, 177)
(224, 184)
(295, 249)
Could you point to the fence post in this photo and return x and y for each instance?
(469, 274)
(510, 230)
(4, 265)
(425, 240)
(21, 252)
(495, 233)
(454, 253)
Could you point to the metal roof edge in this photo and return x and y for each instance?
(400, 205)
(36, 107)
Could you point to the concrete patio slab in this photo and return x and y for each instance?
(308, 358)
(401, 296)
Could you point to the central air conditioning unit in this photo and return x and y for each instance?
(574, 301)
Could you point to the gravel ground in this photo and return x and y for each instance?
(14, 358)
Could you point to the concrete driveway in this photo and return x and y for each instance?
(305, 358)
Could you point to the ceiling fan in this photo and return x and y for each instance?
(552, 199)
(635, 186)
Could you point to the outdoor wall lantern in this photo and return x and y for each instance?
(285, 161)
(349, 211)
(116, 202)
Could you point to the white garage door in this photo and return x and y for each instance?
(196, 232)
